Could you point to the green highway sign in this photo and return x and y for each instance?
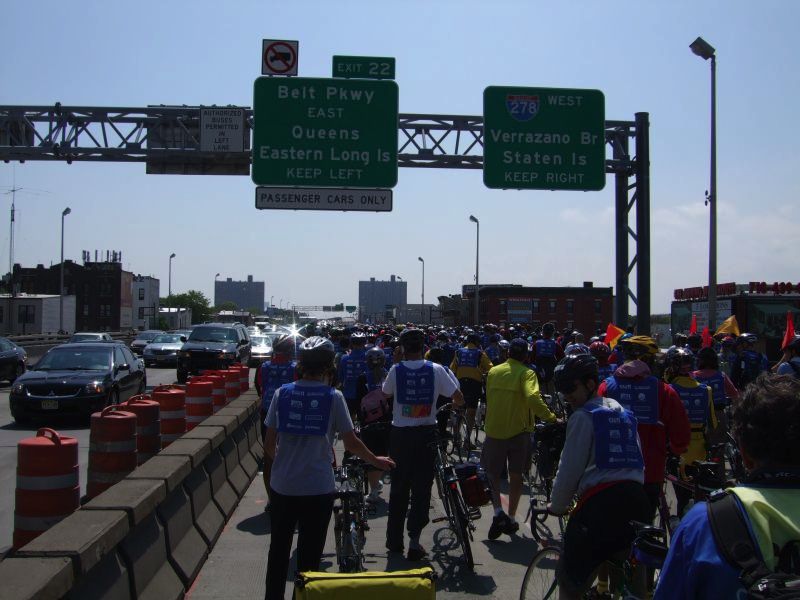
(363, 67)
(314, 132)
(351, 309)
(543, 138)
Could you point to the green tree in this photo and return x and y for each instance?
(254, 310)
(200, 305)
(227, 305)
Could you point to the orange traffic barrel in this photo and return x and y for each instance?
(148, 425)
(172, 400)
(244, 377)
(112, 448)
(199, 401)
(48, 486)
(218, 393)
(232, 384)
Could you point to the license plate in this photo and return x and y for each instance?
(49, 404)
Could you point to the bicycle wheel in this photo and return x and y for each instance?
(461, 438)
(461, 526)
(540, 581)
(444, 495)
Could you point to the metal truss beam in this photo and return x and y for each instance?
(167, 138)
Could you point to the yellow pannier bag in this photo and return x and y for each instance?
(415, 584)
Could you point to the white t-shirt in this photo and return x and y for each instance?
(443, 385)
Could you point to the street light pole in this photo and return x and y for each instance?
(706, 51)
(64, 213)
(422, 306)
(477, 261)
(215, 288)
(169, 286)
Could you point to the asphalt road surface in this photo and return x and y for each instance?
(11, 434)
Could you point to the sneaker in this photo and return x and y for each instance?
(416, 553)
(499, 525)
(395, 547)
(374, 495)
(511, 527)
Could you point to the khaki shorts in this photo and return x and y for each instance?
(496, 452)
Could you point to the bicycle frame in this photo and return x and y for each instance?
(350, 520)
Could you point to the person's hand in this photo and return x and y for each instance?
(384, 463)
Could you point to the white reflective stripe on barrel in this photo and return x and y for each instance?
(153, 429)
(22, 523)
(173, 414)
(125, 446)
(199, 399)
(47, 482)
(101, 477)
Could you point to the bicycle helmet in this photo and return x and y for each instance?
(410, 337)
(496, 337)
(600, 351)
(638, 346)
(358, 337)
(694, 342)
(442, 336)
(747, 338)
(707, 359)
(548, 329)
(505, 344)
(574, 368)
(679, 361)
(576, 348)
(316, 351)
(284, 345)
(728, 341)
(474, 338)
(518, 348)
(375, 358)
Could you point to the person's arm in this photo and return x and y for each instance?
(574, 458)
(454, 364)
(675, 420)
(486, 363)
(712, 413)
(533, 396)
(388, 387)
(270, 442)
(355, 446)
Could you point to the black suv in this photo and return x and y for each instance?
(213, 346)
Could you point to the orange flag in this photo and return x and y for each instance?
(693, 326)
(730, 326)
(613, 333)
(789, 335)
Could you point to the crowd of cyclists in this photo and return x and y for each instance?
(634, 415)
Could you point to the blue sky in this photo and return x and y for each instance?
(134, 54)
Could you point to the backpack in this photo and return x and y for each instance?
(737, 546)
(374, 407)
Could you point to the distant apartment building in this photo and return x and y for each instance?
(379, 301)
(146, 305)
(244, 294)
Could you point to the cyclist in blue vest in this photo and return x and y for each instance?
(601, 352)
(351, 366)
(415, 385)
(280, 369)
(546, 354)
(307, 414)
(470, 366)
(602, 465)
(699, 404)
(722, 389)
(790, 361)
(493, 348)
(727, 354)
(749, 363)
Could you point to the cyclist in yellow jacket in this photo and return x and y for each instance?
(469, 365)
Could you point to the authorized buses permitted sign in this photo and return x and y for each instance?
(313, 132)
(323, 199)
(543, 138)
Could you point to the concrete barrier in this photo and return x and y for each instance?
(148, 535)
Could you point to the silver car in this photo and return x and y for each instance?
(260, 349)
(163, 350)
(142, 339)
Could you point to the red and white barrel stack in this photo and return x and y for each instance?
(48, 485)
(218, 393)
(199, 401)
(172, 400)
(148, 426)
(112, 448)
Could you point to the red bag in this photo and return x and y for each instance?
(476, 490)
(374, 407)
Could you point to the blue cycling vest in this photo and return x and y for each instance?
(304, 410)
(695, 400)
(605, 372)
(545, 348)
(717, 384)
(493, 352)
(468, 357)
(751, 364)
(274, 376)
(448, 353)
(640, 397)
(415, 390)
(388, 353)
(615, 445)
(352, 365)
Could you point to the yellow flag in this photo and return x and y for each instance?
(613, 333)
(729, 325)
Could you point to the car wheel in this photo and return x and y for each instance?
(18, 370)
(113, 398)
(143, 386)
(20, 418)
(182, 376)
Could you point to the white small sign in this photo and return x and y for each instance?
(323, 199)
(222, 129)
(279, 57)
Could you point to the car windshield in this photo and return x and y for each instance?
(146, 336)
(82, 337)
(167, 339)
(74, 359)
(260, 340)
(213, 334)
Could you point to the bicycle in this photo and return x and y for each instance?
(456, 432)
(458, 515)
(648, 549)
(350, 515)
(547, 441)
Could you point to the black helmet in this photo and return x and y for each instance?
(694, 341)
(316, 351)
(358, 337)
(707, 359)
(571, 368)
(747, 338)
(284, 344)
(375, 358)
(679, 361)
(474, 338)
(410, 337)
(548, 329)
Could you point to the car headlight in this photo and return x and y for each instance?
(95, 388)
(18, 388)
